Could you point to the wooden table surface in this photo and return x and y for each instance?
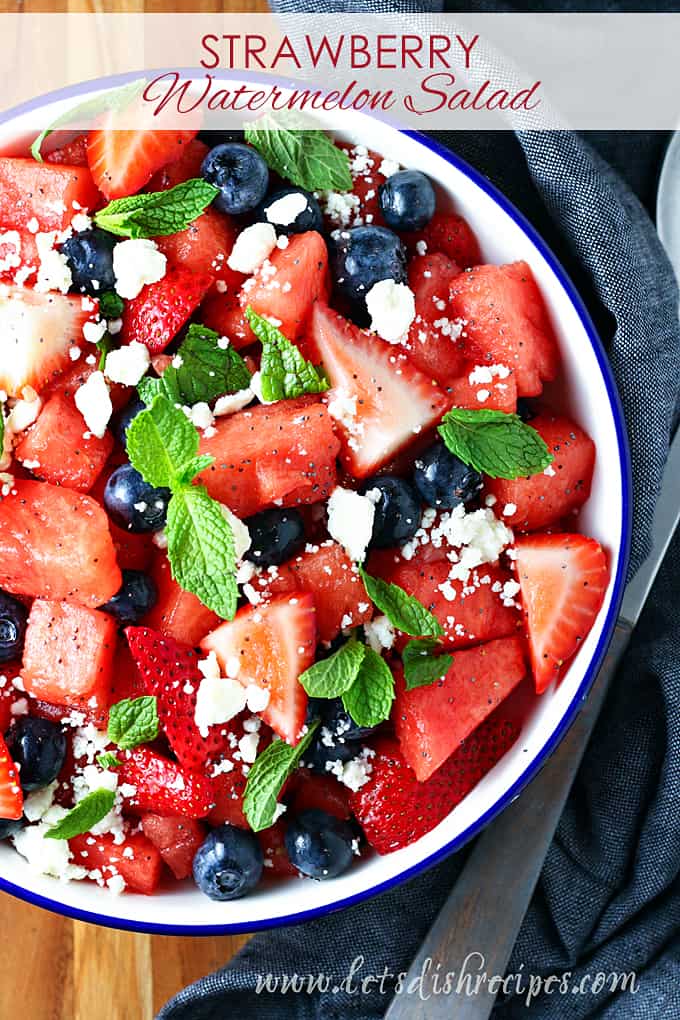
(54, 968)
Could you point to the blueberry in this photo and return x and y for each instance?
(13, 617)
(339, 722)
(338, 738)
(137, 595)
(38, 748)
(132, 503)
(228, 864)
(397, 512)
(319, 845)
(363, 256)
(302, 205)
(444, 481)
(407, 200)
(525, 409)
(275, 536)
(8, 826)
(241, 175)
(90, 258)
(123, 419)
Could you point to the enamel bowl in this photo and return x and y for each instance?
(588, 392)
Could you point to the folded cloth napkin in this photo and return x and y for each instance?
(609, 896)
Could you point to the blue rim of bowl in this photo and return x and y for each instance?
(152, 928)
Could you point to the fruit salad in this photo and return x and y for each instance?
(288, 528)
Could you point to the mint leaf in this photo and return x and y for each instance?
(158, 213)
(284, 373)
(404, 611)
(84, 815)
(104, 346)
(107, 760)
(205, 371)
(267, 775)
(422, 666)
(111, 306)
(499, 445)
(91, 108)
(331, 677)
(160, 443)
(150, 388)
(201, 549)
(133, 721)
(369, 699)
(308, 158)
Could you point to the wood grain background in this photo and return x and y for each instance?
(57, 969)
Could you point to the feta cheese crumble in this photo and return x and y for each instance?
(136, 263)
(350, 521)
(379, 633)
(392, 308)
(232, 402)
(252, 246)
(218, 698)
(128, 365)
(286, 210)
(94, 403)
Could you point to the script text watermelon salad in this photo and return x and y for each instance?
(288, 529)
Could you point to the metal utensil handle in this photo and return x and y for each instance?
(483, 915)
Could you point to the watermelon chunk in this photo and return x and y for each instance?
(177, 613)
(433, 339)
(68, 655)
(59, 448)
(280, 454)
(451, 235)
(50, 193)
(507, 323)
(180, 170)
(204, 246)
(176, 839)
(431, 722)
(497, 394)
(56, 544)
(136, 859)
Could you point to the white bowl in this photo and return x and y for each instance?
(589, 394)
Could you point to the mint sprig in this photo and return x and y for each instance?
(111, 305)
(108, 760)
(267, 775)
(84, 815)
(308, 158)
(162, 445)
(499, 445)
(404, 611)
(369, 699)
(113, 100)
(157, 213)
(133, 721)
(331, 677)
(424, 663)
(200, 371)
(284, 373)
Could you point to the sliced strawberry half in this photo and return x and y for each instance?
(164, 787)
(37, 332)
(170, 672)
(273, 644)
(122, 162)
(384, 402)
(158, 313)
(563, 580)
(11, 797)
(395, 810)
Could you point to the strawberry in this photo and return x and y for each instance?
(563, 579)
(290, 282)
(506, 323)
(56, 544)
(384, 401)
(136, 859)
(158, 313)
(11, 797)
(169, 671)
(432, 721)
(38, 331)
(49, 194)
(273, 643)
(68, 655)
(543, 499)
(176, 839)
(73, 153)
(183, 169)
(65, 453)
(451, 235)
(395, 810)
(123, 161)
(163, 786)
(280, 454)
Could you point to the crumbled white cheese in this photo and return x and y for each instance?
(392, 309)
(239, 530)
(200, 415)
(340, 207)
(23, 414)
(94, 331)
(128, 365)
(388, 167)
(137, 263)
(38, 803)
(53, 271)
(356, 772)
(218, 698)
(252, 246)
(257, 698)
(232, 402)
(247, 746)
(47, 856)
(350, 521)
(284, 211)
(380, 633)
(94, 403)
